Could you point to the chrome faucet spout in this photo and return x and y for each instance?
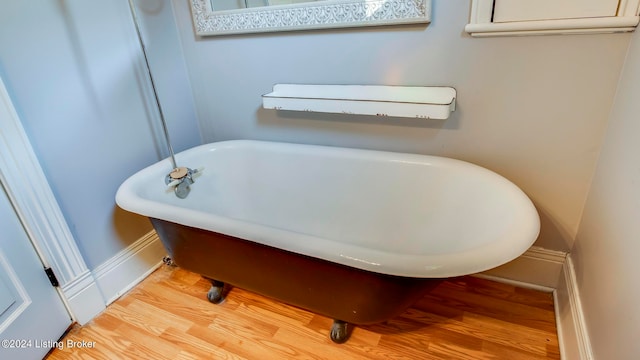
(180, 179)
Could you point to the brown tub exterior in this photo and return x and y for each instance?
(323, 287)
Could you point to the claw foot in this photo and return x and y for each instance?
(340, 331)
(215, 293)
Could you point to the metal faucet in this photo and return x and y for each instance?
(180, 179)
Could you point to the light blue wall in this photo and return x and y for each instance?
(534, 109)
(605, 254)
(75, 73)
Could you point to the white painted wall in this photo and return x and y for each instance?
(534, 109)
(606, 250)
(74, 71)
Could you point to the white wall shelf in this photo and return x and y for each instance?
(400, 101)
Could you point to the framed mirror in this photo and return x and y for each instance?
(223, 17)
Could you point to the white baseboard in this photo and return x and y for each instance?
(549, 270)
(83, 298)
(572, 333)
(126, 269)
(537, 268)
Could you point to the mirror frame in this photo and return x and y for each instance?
(307, 16)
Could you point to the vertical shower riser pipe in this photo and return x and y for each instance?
(153, 85)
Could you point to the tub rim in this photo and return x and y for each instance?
(459, 263)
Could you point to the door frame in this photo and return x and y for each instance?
(38, 210)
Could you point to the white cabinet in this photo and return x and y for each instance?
(535, 17)
(527, 10)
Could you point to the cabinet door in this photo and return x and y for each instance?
(32, 314)
(525, 10)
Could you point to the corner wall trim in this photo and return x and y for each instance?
(32, 197)
(572, 332)
(30, 194)
(127, 268)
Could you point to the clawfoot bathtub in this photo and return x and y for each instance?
(355, 235)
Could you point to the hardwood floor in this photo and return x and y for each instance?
(167, 316)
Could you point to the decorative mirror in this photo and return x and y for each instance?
(223, 17)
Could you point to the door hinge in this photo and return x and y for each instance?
(52, 277)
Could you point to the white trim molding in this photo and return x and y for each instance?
(309, 15)
(481, 24)
(36, 206)
(572, 332)
(537, 268)
(83, 298)
(128, 267)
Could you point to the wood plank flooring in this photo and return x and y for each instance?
(167, 316)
